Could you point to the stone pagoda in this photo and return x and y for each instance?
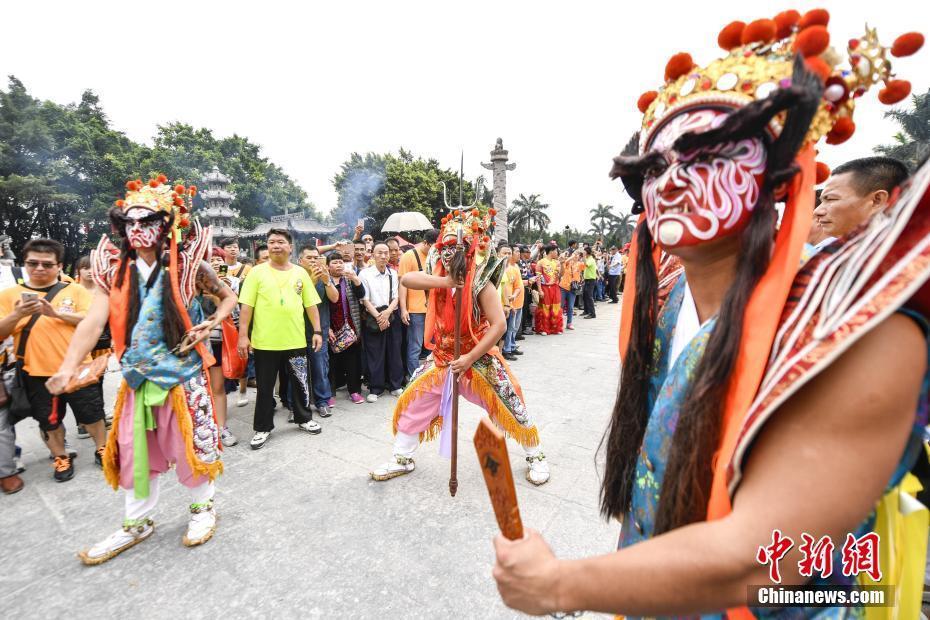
(217, 199)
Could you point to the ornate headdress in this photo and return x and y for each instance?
(184, 252)
(476, 225)
(760, 61)
(158, 195)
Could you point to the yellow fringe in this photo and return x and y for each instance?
(497, 410)
(183, 416)
(501, 415)
(186, 426)
(111, 451)
(424, 383)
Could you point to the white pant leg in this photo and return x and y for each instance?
(405, 445)
(202, 493)
(137, 509)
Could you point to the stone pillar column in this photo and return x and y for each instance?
(499, 167)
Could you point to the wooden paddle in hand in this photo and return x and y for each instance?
(495, 463)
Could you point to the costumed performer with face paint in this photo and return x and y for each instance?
(756, 396)
(164, 411)
(483, 375)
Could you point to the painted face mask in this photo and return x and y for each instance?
(142, 233)
(448, 251)
(705, 194)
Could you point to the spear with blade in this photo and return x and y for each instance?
(449, 403)
(459, 247)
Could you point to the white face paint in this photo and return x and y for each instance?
(448, 250)
(705, 194)
(142, 234)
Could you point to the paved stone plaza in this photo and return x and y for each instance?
(302, 529)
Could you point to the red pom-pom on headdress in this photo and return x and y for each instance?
(678, 65)
(907, 44)
(842, 130)
(816, 65)
(822, 172)
(785, 22)
(193, 190)
(179, 188)
(645, 100)
(730, 36)
(120, 203)
(812, 41)
(815, 17)
(162, 178)
(894, 91)
(492, 212)
(131, 186)
(153, 183)
(759, 31)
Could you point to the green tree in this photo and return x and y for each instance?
(527, 217)
(262, 189)
(622, 229)
(62, 166)
(602, 219)
(913, 141)
(373, 186)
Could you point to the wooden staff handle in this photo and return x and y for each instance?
(453, 474)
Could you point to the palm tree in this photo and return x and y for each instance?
(623, 227)
(527, 214)
(602, 218)
(913, 144)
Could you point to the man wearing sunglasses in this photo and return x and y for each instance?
(50, 326)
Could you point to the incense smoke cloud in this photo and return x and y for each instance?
(359, 190)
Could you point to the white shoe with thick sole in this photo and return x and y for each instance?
(227, 437)
(243, 401)
(311, 427)
(133, 532)
(400, 466)
(372, 398)
(538, 470)
(259, 439)
(202, 525)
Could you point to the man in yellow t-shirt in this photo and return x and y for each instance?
(274, 299)
(46, 345)
(413, 303)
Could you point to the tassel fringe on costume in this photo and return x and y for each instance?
(490, 401)
(182, 414)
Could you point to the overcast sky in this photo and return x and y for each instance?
(311, 84)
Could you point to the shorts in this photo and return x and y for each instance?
(86, 403)
(217, 348)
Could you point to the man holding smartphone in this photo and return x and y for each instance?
(315, 266)
(230, 245)
(48, 327)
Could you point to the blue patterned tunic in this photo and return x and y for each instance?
(147, 356)
(667, 391)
